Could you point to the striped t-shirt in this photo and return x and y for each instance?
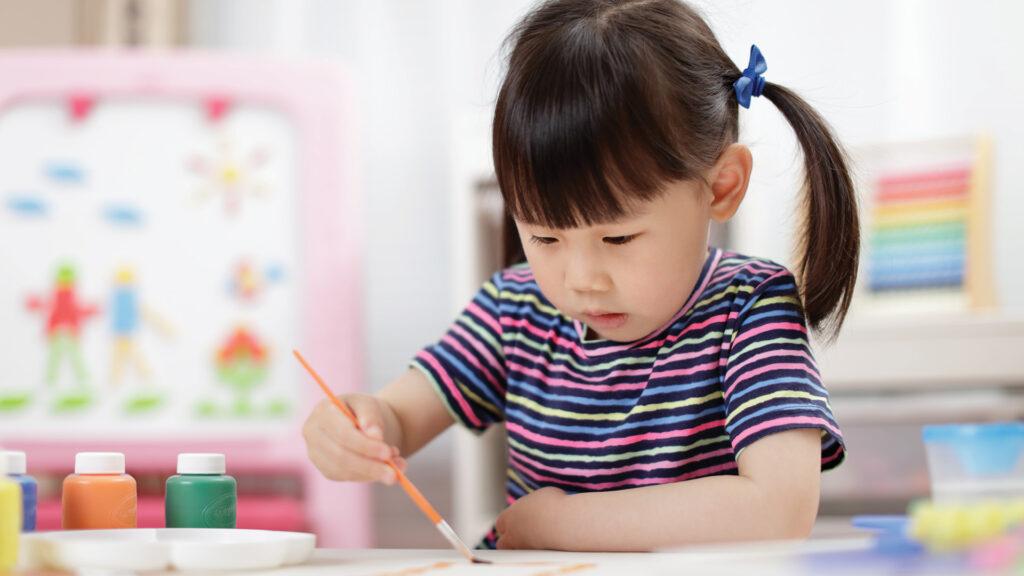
(732, 366)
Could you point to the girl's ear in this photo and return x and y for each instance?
(729, 178)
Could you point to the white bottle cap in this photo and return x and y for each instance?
(99, 463)
(201, 464)
(13, 462)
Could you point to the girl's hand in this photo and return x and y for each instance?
(532, 522)
(343, 452)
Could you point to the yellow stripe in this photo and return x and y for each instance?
(912, 208)
(714, 335)
(768, 397)
(775, 300)
(613, 416)
(532, 300)
(722, 294)
(479, 401)
(491, 289)
(734, 357)
(471, 323)
(515, 478)
(931, 217)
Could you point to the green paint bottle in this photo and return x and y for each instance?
(201, 495)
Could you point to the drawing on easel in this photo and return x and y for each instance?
(926, 225)
(64, 315)
(129, 315)
(148, 285)
(241, 363)
(247, 281)
(229, 175)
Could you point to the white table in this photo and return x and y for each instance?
(831, 556)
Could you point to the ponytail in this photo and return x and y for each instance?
(829, 238)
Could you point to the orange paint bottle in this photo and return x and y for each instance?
(99, 494)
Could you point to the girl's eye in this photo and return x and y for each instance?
(619, 240)
(542, 240)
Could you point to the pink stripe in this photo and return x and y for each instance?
(466, 356)
(914, 178)
(835, 456)
(752, 266)
(644, 466)
(484, 316)
(694, 327)
(550, 368)
(463, 405)
(706, 367)
(765, 355)
(747, 334)
(629, 481)
(480, 348)
(623, 441)
(779, 422)
(755, 267)
(518, 275)
(770, 368)
(552, 335)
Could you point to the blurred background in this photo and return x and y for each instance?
(922, 93)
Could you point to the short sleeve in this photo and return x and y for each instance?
(771, 381)
(467, 365)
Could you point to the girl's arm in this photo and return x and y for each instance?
(414, 414)
(775, 496)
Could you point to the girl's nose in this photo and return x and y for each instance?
(585, 274)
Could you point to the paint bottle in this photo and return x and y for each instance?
(99, 494)
(201, 495)
(10, 519)
(16, 465)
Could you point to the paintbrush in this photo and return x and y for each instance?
(417, 496)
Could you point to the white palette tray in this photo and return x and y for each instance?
(166, 548)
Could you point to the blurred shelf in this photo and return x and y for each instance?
(948, 351)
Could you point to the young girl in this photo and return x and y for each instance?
(656, 392)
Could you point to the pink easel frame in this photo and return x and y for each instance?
(315, 98)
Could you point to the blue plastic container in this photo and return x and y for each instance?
(16, 468)
(967, 461)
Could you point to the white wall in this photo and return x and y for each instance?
(876, 69)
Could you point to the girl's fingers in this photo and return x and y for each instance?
(337, 463)
(356, 441)
(367, 470)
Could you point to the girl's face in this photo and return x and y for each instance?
(627, 278)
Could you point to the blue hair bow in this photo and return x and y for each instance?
(751, 83)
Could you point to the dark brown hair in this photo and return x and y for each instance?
(607, 101)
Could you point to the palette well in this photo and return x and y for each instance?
(167, 548)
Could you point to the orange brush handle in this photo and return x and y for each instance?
(410, 489)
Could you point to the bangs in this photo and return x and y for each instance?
(580, 132)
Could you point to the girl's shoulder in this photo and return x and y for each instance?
(737, 279)
(740, 270)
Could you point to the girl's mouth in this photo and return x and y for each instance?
(605, 321)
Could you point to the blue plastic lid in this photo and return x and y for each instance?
(956, 432)
(893, 524)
